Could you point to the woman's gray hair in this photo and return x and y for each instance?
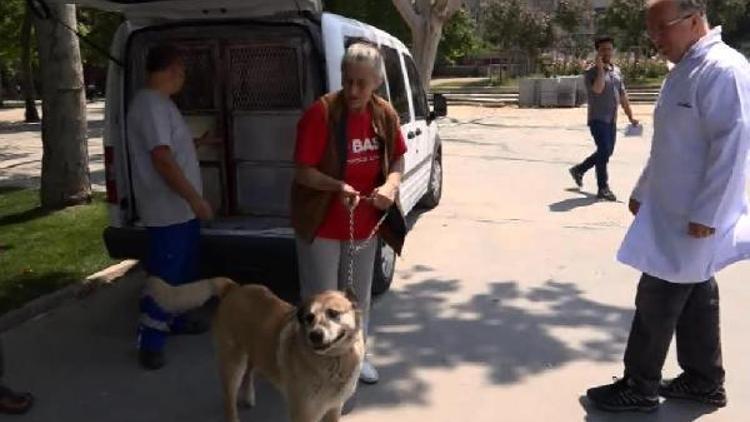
(688, 6)
(360, 52)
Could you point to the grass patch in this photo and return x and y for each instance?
(42, 251)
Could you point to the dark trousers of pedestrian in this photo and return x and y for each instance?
(664, 309)
(605, 135)
(173, 255)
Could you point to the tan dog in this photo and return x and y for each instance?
(312, 354)
(177, 299)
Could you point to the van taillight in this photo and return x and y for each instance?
(109, 174)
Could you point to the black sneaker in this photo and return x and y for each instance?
(606, 195)
(682, 388)
(621, 397)
(151, 359)
(577, 176)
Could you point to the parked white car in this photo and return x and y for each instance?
(253, 67)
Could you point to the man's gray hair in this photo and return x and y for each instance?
(366, 53)
(691, 6)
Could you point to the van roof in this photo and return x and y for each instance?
(371, 32)
(193, 9)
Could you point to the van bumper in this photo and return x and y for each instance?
(267, 260)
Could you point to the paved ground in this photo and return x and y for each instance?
(508, 303)
(21, 148)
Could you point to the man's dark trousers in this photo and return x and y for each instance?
(691, 311)
(604, 134)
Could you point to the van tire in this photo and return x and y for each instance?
(431, 199)
(385, 267)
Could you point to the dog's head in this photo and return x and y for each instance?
(330, 322)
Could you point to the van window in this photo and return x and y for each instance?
(199, 92)
(417, 91)
(396, 83)
(264, 77)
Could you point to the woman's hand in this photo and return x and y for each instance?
(384, 196)
(349, 196)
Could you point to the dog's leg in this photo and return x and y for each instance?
(249, 397)
(232, 365)
(299, 411)
(332, 415)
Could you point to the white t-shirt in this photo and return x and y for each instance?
(154, 120)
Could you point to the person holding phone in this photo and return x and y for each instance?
(606, 90)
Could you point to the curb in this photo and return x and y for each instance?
(80, 290)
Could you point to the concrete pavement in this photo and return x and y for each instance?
(507, 305)
(21, 148)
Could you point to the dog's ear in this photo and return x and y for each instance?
(301, 314)
(351, 295)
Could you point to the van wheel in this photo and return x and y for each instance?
(431, 199)
(385, 267)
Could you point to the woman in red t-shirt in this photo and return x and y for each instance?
(324, 263)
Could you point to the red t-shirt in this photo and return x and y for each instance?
(362, 172)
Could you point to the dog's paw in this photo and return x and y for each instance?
(248, 400)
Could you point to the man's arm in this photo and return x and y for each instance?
(625, 103)
(169, 170)
(725, 105)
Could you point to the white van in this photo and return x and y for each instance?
(253, 67)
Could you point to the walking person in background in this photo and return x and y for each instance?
(606, 90)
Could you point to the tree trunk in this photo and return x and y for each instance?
(426, 40)
(2, 89)
(27, 71)
(65, 162)
(425, 19)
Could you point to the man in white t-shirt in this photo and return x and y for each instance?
(168, 195)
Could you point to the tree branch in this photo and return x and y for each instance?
(407, 12)
(446, 8)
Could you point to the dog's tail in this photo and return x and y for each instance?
(177, 299)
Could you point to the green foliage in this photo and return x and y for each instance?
(634, 70)
(510, 24)
(727, 13)
(99, 28)
(571, 14)
(11, 19)
(459, 39)
(625, 20)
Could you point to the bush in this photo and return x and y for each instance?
(634, 70)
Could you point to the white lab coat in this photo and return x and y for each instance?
(697, 169)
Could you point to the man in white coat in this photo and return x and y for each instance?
(691, 213)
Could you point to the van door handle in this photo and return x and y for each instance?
(411, 135)
(419, 132)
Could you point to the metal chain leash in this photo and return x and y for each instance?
(354, 250)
